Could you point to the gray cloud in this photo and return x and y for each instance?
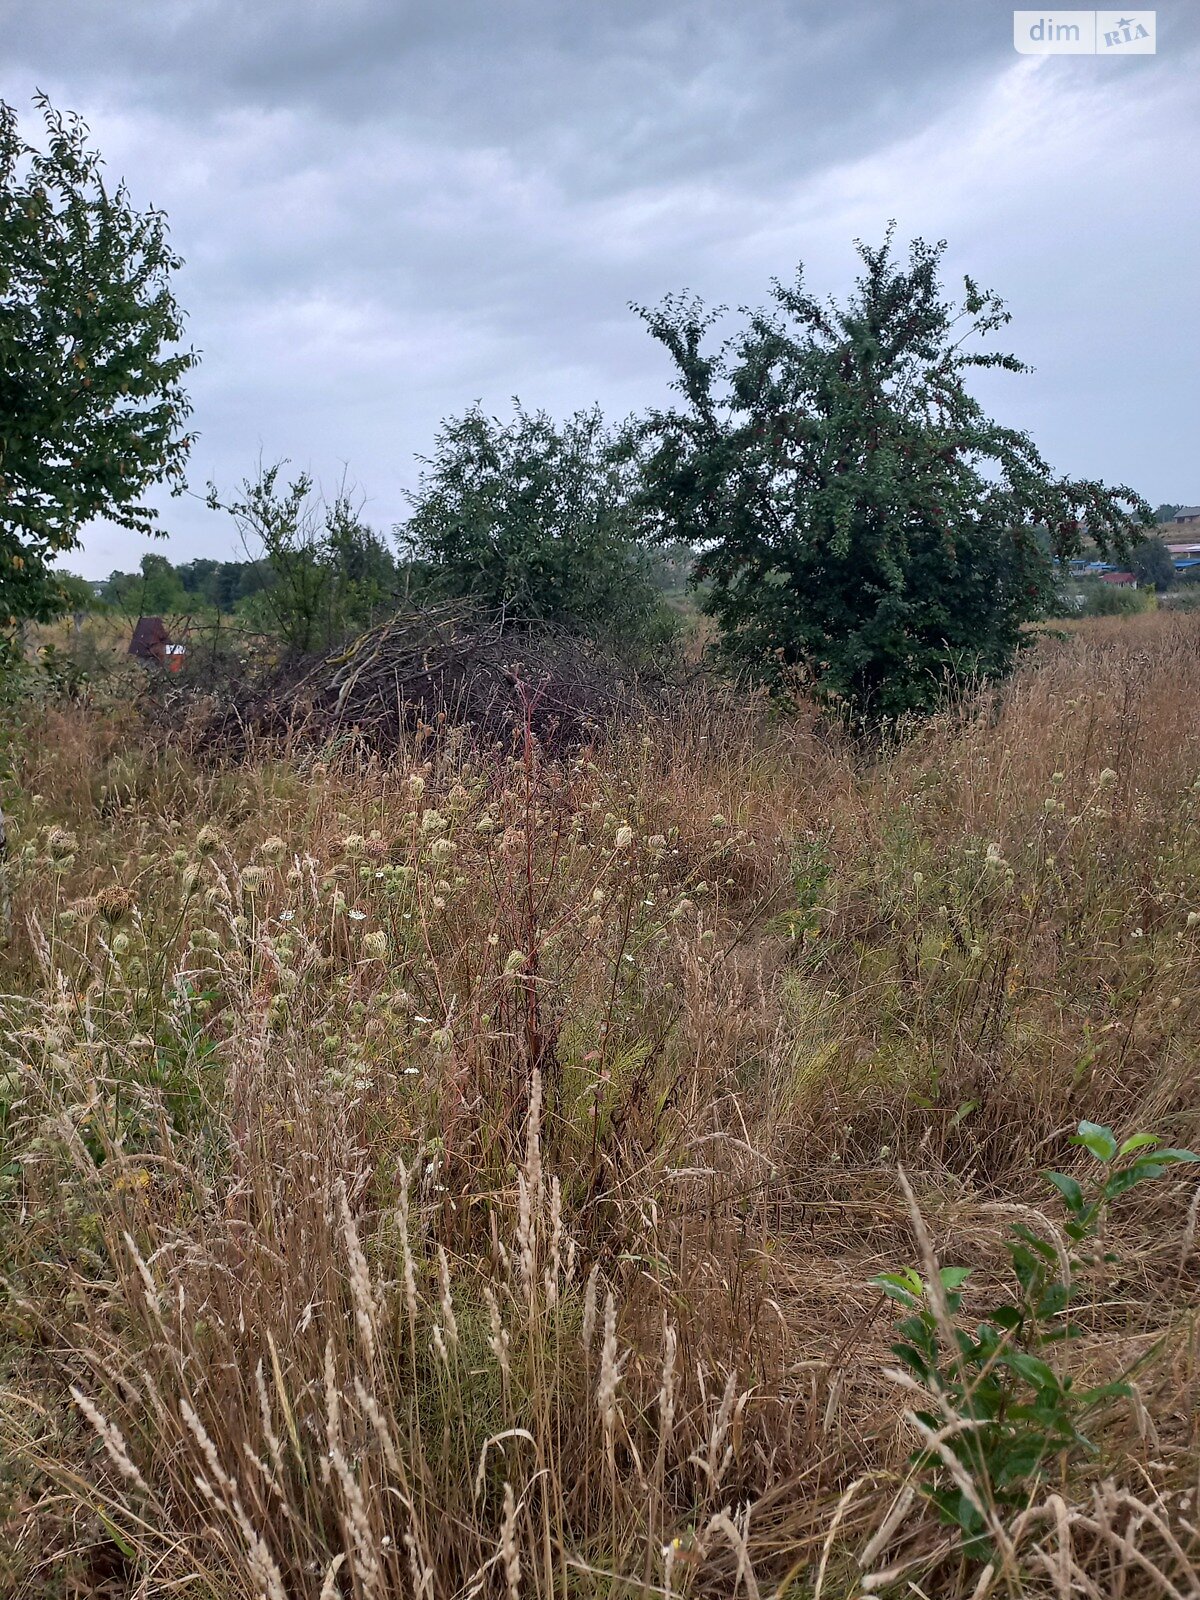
(389, 210)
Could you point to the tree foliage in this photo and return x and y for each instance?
(859, 516)
(541, 519)
(1151, 564)
(91, 399)
(328, 575)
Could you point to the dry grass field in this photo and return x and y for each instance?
(466, 1176)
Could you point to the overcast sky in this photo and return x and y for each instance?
(389, 210)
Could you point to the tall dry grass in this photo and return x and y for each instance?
(464, 1176)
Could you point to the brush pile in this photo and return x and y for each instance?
(447, 666)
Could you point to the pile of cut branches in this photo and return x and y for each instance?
(430, 669)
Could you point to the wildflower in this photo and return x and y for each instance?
(657, 841)
(624, 837)
(133, 1182)
(272, 849)
(417, 784)
(918, 879)
(432, 822)
(1107, 777)
(353, 844)
(253, 879)
(207, 840)
(113, 903)
(719, 821)
(375, 944)
(357, 916)
(442, 849)
(515, 961)
(61, 844)
(120, 944)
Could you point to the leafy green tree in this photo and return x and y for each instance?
(1151, 564)
(1166, 513)
(858, 515)
(91, 399)
(541, 519)
(328, 575)
(154, 591)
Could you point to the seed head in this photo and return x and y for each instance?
(113, 903)
(61, 844)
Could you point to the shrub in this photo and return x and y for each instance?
(541, 520)
(1001, 1414)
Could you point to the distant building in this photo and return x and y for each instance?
(1120, 580)
(1187, 514)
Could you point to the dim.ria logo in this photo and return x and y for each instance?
(1084, 33)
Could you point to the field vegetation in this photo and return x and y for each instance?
(472, 1173)
(491, 1106)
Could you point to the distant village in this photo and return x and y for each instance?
(1181, 536)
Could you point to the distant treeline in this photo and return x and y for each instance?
(313, 590)
(161, 587)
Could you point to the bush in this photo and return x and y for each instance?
(1112, 600)
(1000, 1415)
(329, 575)
(541, 520)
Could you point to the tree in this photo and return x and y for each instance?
(858, 515)
(91, 399)
(1166, 513)
(155, 590)
(540, 518)
(1151, 564)
(328, 575)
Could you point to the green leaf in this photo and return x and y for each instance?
(1137, 1141)
(1099, 1140)
(954, 1277)
(1069, 1188)
(904, 1286)
(1035, 1370)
